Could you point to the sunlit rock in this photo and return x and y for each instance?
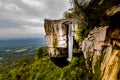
(101, 47)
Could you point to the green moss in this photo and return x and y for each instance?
(97, 74)
(76, 12)
(55, 42)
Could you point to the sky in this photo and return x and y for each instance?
(25, 18)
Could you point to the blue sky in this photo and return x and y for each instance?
(25, 18)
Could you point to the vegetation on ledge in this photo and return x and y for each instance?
(83, 28)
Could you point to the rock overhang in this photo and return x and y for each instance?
(98, 12)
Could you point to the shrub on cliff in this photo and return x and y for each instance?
(41, 52)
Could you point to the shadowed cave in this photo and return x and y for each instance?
(115, 20)
(59, 61)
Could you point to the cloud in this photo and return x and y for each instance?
(8, 24)
(28, 15)
(34, 3)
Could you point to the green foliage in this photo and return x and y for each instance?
(97, 74)
(44, 69)
(76, 12)
(0, 76)
(55, 42)
(68, 15)
(82, 31)
(42, 51)
(75, 70)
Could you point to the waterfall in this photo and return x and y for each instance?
(70, 43)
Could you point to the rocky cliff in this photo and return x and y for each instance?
(57, 32)
(59, 36)
(102, 51)
(101, 47)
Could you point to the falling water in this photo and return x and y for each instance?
(70, 43)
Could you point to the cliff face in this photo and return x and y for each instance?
(102, 46)
(102, 53)
(59, 36)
